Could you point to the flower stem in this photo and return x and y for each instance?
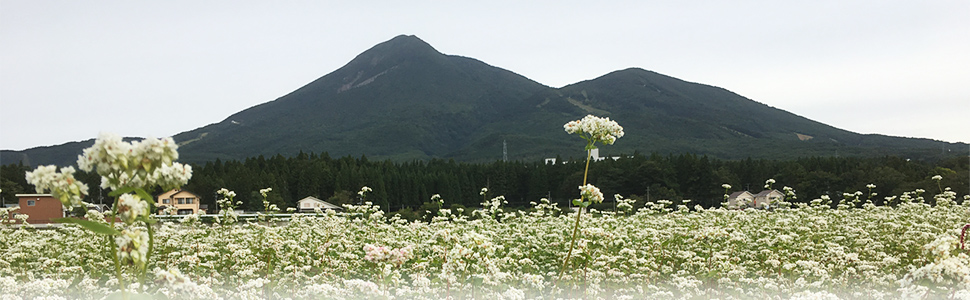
(572, 243)
(122, 285)
(151, 248)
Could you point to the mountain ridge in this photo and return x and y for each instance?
(403, 100)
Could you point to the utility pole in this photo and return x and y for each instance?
(505, 152)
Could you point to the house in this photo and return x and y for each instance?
(767, 198)
(310, 204)
(185, 202)
(736, 199)
(40, 208)
(764, 199)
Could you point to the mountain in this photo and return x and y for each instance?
(404, 100)
(401, 99)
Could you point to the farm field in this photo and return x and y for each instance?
(910, 251)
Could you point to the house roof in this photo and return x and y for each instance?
(324, 203)
(735, 195)
(174, 192)
(34, 195)
(765, 193)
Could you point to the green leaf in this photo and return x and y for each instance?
(121, 191)
(577, 202)
(144, 195)
(89, 225)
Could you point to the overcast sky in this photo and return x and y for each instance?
(72, 69)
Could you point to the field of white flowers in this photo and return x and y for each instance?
(909, 251)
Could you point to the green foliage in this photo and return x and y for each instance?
(96, 227)
(399, 186)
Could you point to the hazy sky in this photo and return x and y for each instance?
(72, 69)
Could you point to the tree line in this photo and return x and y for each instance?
(409, 185)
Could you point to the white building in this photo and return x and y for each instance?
(594, 155)
(310, 204)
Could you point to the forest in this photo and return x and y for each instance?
(407, 187)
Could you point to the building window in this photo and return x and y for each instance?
(31, 202)
(189, 200)
(181, 200)
(166, 201)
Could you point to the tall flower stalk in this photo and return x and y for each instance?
(594, 130)
(129, 169)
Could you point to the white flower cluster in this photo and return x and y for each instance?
(137, 164)
(950, 266)
(133, 247)
(623, 205)
(905, 251)
(591, 193)
(226, 193)
(381, 254)
(544, 208)
(227, 206)
(6, 214)
(363, 191)
(130, 207)
(595, 129)
(175, 285)
(768, 183)
(494, 206)
(265, 191)
(62, 185)
(170, 176)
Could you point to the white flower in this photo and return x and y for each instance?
(364, 190)
(133, 247)
(107, 155)
(172, 175)
(726, 186)
(595, 129)
(151, 153)
(592, 193)
(226, 193)
(381, 254)
(138, 164)
(484, 190)
(265, 191)
(937, 177)
(130, 207)
(62, 185)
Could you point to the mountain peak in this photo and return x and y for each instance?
(399, 46)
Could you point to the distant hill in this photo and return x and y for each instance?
(404, 100)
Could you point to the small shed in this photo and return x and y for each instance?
(40, 208)
(310, 203)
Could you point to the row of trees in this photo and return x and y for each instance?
(398, 186)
